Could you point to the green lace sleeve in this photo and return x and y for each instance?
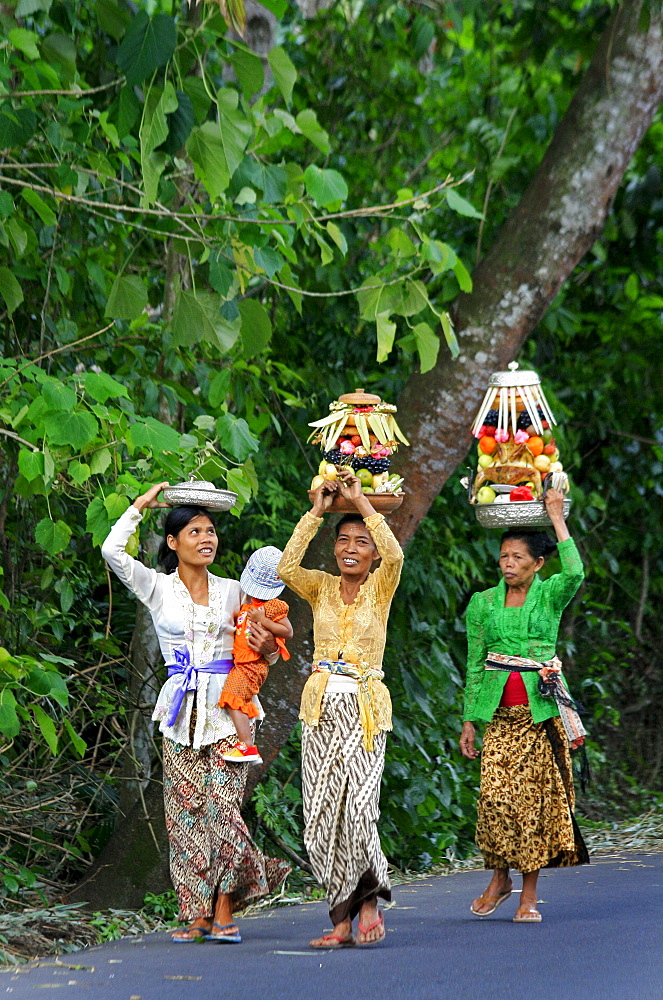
(476, 652)
(562, 586)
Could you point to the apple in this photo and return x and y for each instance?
(547, 435)
(365, 477)
(330, 472)
(486, 495)
(485, 461)
(317, 481)
(556, 467)
(377, 480)
(542, 463)
(367, 489)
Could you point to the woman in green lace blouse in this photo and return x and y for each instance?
(525, 810)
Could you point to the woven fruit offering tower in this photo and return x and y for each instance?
(360, 432)
(518, 457)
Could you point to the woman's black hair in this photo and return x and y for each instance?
(539, 544)
(348, 519)
(176, 519)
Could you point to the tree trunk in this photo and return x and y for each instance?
(559, 217)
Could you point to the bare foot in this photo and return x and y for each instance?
(371, 923)
(339, 937)
(197, 930)
(497, 891)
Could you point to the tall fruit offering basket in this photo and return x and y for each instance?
(518, 458)
(360, 432)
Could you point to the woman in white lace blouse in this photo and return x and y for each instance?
(214, 865)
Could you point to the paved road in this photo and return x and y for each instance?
(601, 939)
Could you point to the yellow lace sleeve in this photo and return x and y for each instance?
(388, 573)
(305, 582)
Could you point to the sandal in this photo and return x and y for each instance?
(190, 935)
(222, 938)
(332, 941)
(496, 901)
(366, 930)
(527, 915)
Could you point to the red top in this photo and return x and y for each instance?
(515, 692)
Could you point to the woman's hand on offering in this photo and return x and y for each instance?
(149, 499)
(554, 501)
(466, 742)
(350, 489)
(349, 484)
(323, 497)
(261, 640)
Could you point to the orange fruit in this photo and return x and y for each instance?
(535, 445)
(487, 444)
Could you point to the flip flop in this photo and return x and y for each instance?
(235, 938)
(333, 941)
(195, 935)
(366, 930)
(497, 900)
(527, 915)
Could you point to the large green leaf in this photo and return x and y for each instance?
(249, 70)
(76, 429)
(53, 536)
(127, 299)
(235, 436)
(10, 290)
(205, 147)
(148, 44)
(375, 298)
(30, 464)
(97, 521)
(47, 727)
(386, 332)
(235, 128)
(24, 8)
(25, 41)
(199, 317)
(457, 203)
(150, 434)
(325, 187)
(153, 132)
(78, 743)
(58, 395)
(284, 71)
(256, 327)
(9, 724)
(46, 214)
(309, 126)
(116, 505)
(101, 387)
(428, 346)
(463, 275)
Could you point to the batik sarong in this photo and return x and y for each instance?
(211, 851)
(341, 792)
(525, 811)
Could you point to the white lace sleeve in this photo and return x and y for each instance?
(140, 579)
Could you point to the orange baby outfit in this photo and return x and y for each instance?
(251, 669)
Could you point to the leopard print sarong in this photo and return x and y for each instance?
(525, 810)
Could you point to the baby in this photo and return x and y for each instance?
(262, 585)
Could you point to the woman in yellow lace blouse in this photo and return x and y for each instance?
(346, 709)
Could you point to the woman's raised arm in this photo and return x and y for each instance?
(139, 579)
